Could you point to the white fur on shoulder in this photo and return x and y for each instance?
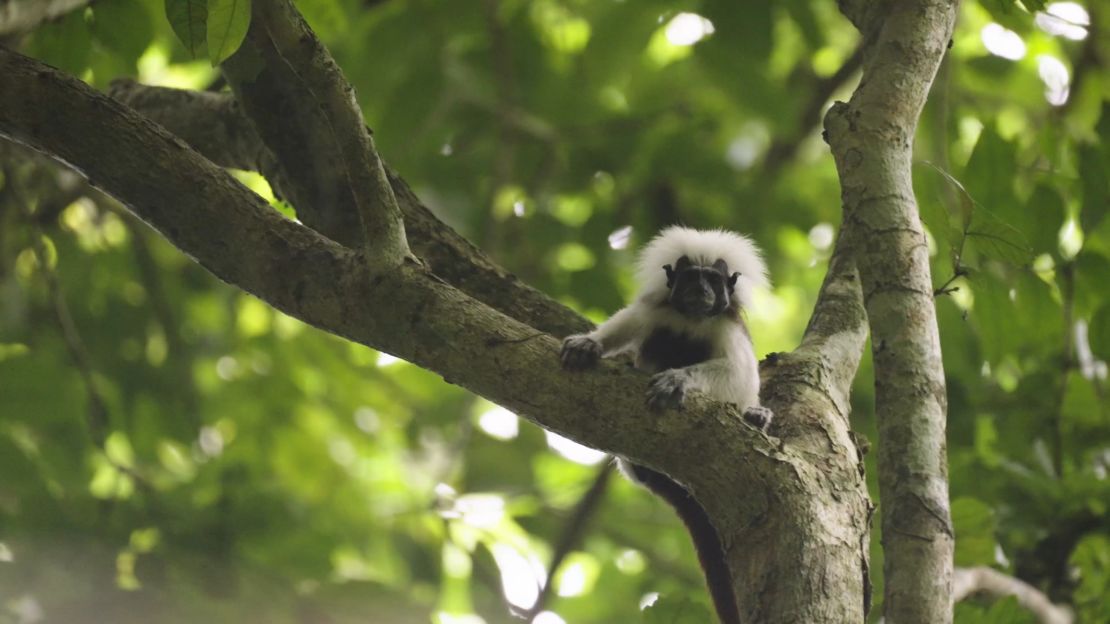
(703, 247)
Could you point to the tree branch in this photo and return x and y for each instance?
(214, 125)
(20, 16)
(983, 580)
(871, 138)
(572, 533)
(317, 74)
(408, 312)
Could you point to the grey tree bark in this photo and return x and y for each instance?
(872, 141)
(792, 510)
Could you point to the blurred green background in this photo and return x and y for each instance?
(256, 470)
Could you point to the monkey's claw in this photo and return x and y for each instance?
(759, 417)
(580, 352)
(667, 389)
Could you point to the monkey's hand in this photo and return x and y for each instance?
(759, 417)
(580, 352)
(668, 389)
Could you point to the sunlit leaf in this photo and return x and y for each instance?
(228, 21)
(189, 19)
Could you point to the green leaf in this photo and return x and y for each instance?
(994, 238)
(123, 26)
(1093, 176)
(973, 521)
(983, 231)
(64, 44)
(189, 20)
(228, 21)
(966, 202)
(1099, 333)
(1041, 219)
(1033, 5)
(989, 175)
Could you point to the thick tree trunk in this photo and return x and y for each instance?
(872, 140)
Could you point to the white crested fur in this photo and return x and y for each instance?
(703, 247)
(732, 372)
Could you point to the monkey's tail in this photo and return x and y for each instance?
(707, 543)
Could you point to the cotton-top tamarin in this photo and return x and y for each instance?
(685, 327)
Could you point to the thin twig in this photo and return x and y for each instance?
(572, 533)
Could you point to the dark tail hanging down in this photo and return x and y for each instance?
(707, 543)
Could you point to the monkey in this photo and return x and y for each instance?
(685, 327)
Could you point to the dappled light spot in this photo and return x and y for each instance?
(500, 423)
(367, 420)
(521, 577)
(572, 450)
(442, 617)
(1070, 239)
(1064, 19)
(210, 441)
(574, 257)
(481, 511)
(1055, 77)
(342, 451)
(577, 576)
(548, 617)
(648, 599)
(1003, 42)
(386, 360)
(747, 147)
(821, 236)
(619, 237)
(686, 29)
(227, 368)
(631, 561)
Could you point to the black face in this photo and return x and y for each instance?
(700, 291)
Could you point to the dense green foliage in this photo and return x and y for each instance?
(188, 454)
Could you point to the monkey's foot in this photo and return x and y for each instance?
(667, 389)
(760, 417)
(580, 352)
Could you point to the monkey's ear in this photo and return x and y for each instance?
(732, 280)
(670, 274)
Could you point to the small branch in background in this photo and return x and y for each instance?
(215, 125)
(1067, 363)
(151, 275)
(987, 581)
(96, 416)
(946, 288)
(572, 533)
(21, 16)
(783, 149)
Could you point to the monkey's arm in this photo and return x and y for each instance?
(732, 379)
(614, 335)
